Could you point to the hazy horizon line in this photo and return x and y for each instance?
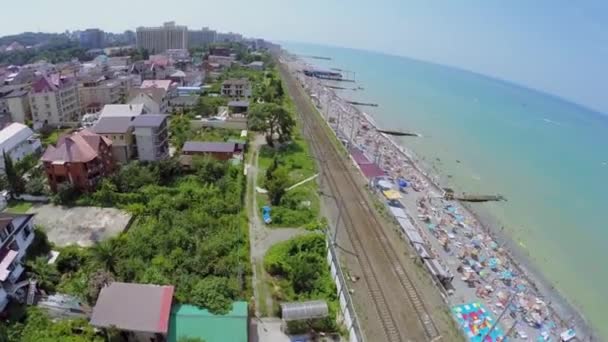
(561, 98)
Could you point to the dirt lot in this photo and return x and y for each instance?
(79, 225)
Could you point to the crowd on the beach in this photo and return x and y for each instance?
(483, 269)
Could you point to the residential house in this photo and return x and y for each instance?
(256, 65)
(18, 141)
(236, 88)
(157, 69)
(16, 104)
(152, 138)
(16, 235)
(216, 150)
(159, 90)
(95, 93)
(80, 159)
(189, 321)
(140, 311)
(123, 110)
(146, 101)
(223, 61)
(54, 101)
(119, 130)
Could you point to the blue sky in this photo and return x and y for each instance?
(560, 47)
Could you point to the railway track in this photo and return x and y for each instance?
(397, 299)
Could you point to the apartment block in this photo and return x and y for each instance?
(54, 101)
(16, 235)
(159, 39)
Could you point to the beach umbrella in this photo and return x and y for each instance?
(506, 275)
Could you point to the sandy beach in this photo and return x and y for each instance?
(487, 265)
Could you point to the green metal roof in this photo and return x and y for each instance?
(191, 321)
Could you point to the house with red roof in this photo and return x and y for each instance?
(140, 311)
(54, 101)
(81, 159)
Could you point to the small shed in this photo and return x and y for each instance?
(304, 310)
(194, 322)
(141, 310)
(217, 150)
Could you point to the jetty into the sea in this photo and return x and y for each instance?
(398, 133)
(317, 57)
(356, 103)
(451, 195)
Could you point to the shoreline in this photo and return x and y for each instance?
(559, 306)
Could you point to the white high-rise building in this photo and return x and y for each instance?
(158, 39)
(201, 37)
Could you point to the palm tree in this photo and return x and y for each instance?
(106, 254)
(46, 275)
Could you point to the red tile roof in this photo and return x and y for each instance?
(80, 147)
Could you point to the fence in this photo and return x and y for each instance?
(228, 124)
(32, 198)
(350, 320)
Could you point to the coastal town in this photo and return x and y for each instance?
(178, 184)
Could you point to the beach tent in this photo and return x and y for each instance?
(402, 183)
(385, 184)
(397, 212)
(392, 194)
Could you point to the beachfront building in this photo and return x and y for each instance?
(18, 141)
(93, 38)
(139, 311)
(159, 39)
(80, 159)
(16, 235)
(197, 38)
(152, 137)
(54, 101)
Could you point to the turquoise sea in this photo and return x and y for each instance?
(549, 157)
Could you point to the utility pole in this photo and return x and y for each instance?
(499, 317)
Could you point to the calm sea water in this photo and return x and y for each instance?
(549, 157)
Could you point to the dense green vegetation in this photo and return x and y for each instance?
(300, 272)
(190, 231)
(57, 50)
(38, 327)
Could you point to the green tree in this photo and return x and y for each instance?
(66, 194)
(107, 253)
(35, 185)
(71, 258)
(179, 130)
(272, 168)
(15, 182)
(46, 275)
(215, 293)
(271, 118)
(277, 185)
(208, 169)
(106, 193)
